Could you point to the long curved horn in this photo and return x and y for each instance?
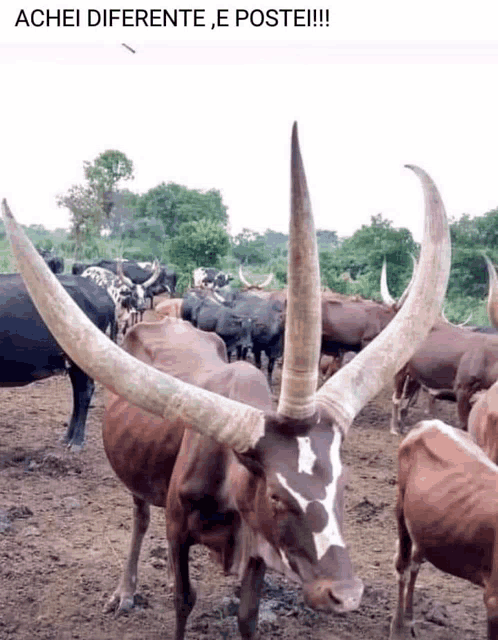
(492, 306)
(303, 326)
(347, 392)
(384, 290)
(266, 282)
(155, 274)
(452, 324)
(119, 269)
(405, 293)
(144, 386)
(242, 279)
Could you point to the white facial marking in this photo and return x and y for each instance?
(307, 457)
(331, 535)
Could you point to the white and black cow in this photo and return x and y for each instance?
(128, 297)
(210, 278)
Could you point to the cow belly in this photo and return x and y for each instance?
(141, 449)
(19, 374)
(470, 562)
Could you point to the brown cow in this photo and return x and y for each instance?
(170, 308)
(447, 512)
(453, 363)
(331, 364)
(349, 323)
(483, 422)
(259, 488)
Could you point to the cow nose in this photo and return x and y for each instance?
(339, 596)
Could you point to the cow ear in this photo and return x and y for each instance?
(253, 461)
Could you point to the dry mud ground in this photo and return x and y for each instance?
(65, 527)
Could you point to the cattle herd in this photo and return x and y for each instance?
(189, 424)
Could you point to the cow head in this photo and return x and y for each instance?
(299, 508)
(137, 293)
(296, 475)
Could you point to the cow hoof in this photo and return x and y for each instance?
(119, 603)
(74, 448)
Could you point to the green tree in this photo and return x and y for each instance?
(104, 174)
(469, 238)
(90, 205)
(175, 205)
(84, 214)
(327, 239)
(249, 247)
(355, 266)
(199, 244)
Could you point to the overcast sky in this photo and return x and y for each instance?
(376, 89)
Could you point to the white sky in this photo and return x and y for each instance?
(387, 83)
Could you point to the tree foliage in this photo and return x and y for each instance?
(355, 266)
(199, 244)
(175, 205)
(90, 205)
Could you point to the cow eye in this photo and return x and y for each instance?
(277, 503)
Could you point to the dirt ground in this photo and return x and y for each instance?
(65, 524)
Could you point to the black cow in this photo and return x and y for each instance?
(78, 268)
(209, 315)
(29, 352)
(165, 282)
(55, 264)
(267, 327)
(211, 278)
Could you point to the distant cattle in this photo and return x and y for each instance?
(156, 279)
(171, 308)
(128, 298)
(331, 364)
(211, 278)
(78, 267)
(252, 286)
(208, 314)
(453, 363)
(166, 281)
(29, 352)
(55, 263)
(267, 328)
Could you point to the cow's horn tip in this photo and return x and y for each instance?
(5, 208)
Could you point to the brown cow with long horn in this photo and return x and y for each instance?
(259, 488)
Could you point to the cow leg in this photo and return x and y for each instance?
(250, 595)
(491, 600)
(83, 388)
(185, 596)
(257, 357)
(271, 365)
(399, 629)
(404, 395)
(400, 380)
(464, 405)
(431, 404)
(123, 598)
(114, 330)
(395, 417)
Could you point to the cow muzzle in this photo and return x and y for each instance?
(338, 596)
